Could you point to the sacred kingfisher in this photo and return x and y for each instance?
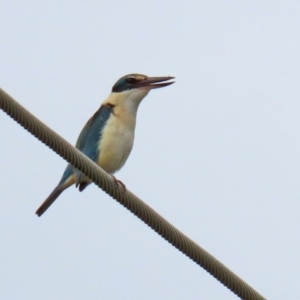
(107, 138)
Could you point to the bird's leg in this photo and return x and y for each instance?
(119, 182)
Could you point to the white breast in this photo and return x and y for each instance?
(116, 143)
(118, 135)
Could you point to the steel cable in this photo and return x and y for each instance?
(127, 199)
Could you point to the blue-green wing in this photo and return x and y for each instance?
(89, 138)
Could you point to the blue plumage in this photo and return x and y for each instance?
(88, 140)
(69, 171)
(88, 143)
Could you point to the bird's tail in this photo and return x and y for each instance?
(66, 181)
(52, 197)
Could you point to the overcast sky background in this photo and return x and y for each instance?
(217, 153)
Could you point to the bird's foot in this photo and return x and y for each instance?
(119, 182)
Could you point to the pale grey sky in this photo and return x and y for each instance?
(217, 153)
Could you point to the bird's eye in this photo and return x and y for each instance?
(130, 80)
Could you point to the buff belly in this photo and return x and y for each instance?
(116, 144)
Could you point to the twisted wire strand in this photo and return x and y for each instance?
(127, 199)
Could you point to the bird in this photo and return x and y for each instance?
(107, 138)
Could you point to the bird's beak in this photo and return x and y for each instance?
(150, 82)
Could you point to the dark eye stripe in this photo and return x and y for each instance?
(127, 82)
(130, 80)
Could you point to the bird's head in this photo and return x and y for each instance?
(134, 82)
(129, 90)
